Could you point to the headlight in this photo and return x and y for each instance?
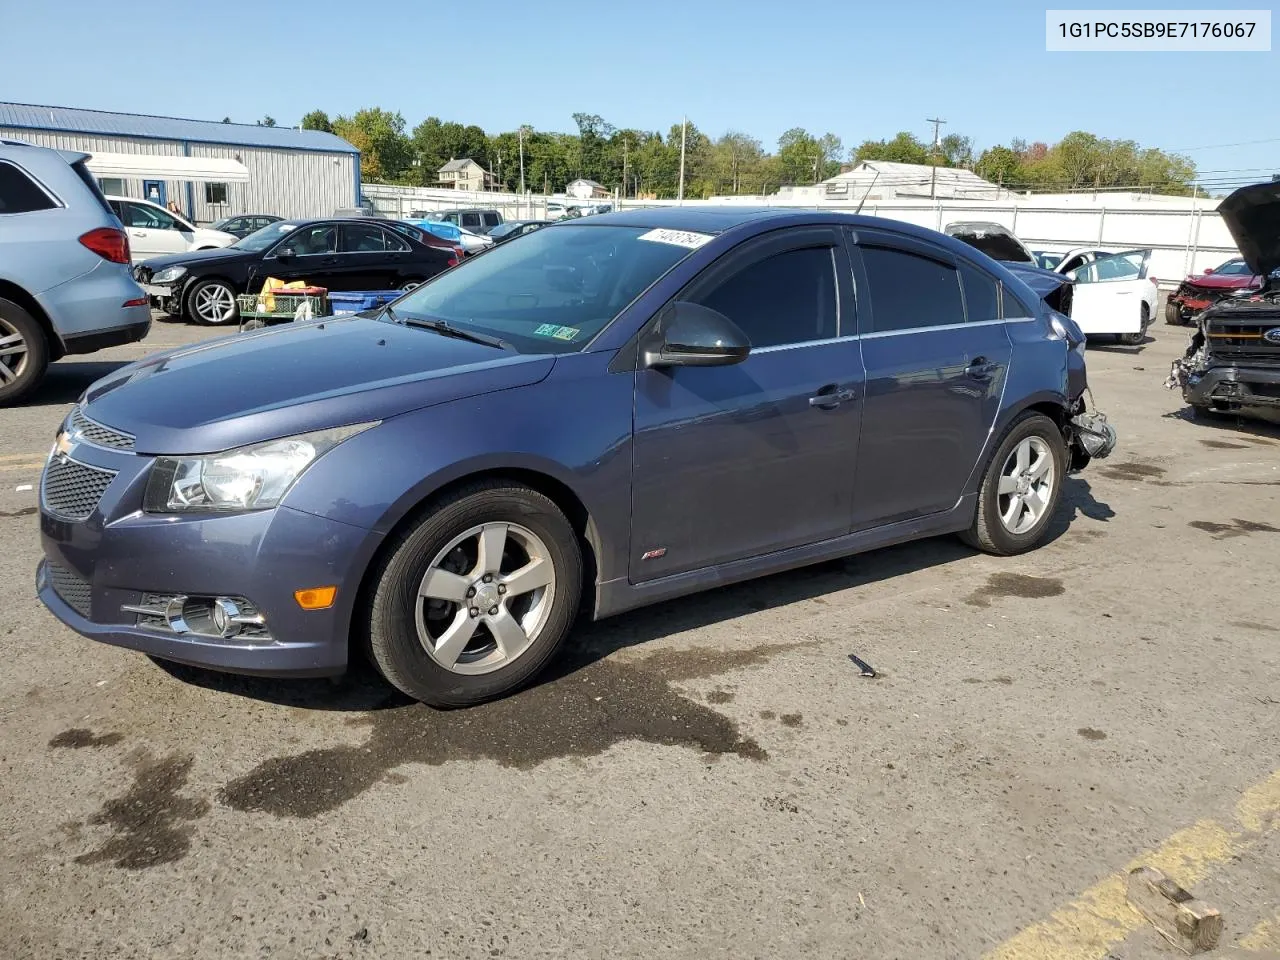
(255, 477)
(169, 274)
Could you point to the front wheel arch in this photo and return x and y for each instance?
(194, 282)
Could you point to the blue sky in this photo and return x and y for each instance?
(860, 71)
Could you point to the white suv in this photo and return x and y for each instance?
(155, 232)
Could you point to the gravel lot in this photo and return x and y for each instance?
(708, 778)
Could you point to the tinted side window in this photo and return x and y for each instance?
(981, 296)
(787, 298)
(492, 219)
(909, 291)
(470, 221)
(19, 193)
(314, 241)
(360, 238)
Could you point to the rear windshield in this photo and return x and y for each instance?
(551, 292)
(997, 246)
(91, 182)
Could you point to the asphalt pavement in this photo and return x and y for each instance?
(712, 777)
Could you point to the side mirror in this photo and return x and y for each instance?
(1208, 270)
(285, 253)
(691, 335)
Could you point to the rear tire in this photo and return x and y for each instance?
(24, 352)
(439, 644)
(1029, 463)
(1136, 339)
(1172, 314)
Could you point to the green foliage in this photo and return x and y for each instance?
(267, 121)
(378, 134)
(1082, 160)
(903, 148)
(317, 120)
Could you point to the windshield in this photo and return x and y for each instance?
(1234, 268)
(551, 292)
(1049, 260)
(261, 239)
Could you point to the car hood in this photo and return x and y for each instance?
(1223, 282)
(1252, 214)
(297, 377)
(156, 264)
(209, 235)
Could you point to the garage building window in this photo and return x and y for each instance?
(112, 186)
(215, 193)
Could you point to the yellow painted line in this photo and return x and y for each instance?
(1265, 936)
(1089, 926)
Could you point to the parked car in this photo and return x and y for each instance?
(515, 228)
(1232, 364)
(334, 254)
(1115, 296)
(428, 237)
(473, 243)
(155, 232)
(64, 267)
(996, 241)
(572, 209)
(619, 410)
(1199, 292)
(479, 220)
(1073, 259)
(245, 223)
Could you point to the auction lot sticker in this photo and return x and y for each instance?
(681, 238)
(1175, 31)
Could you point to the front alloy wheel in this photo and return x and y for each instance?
(476, 598)
(212, 302)
(1020, 488)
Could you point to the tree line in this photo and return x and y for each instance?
(646, 163)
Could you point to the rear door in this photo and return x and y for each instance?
(1110, 293)
(371, 257)
(937, 356)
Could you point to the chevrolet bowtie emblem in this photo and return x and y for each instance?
(65, 443)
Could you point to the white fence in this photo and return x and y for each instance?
(1183, 239)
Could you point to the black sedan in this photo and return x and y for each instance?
(516, 228)
(246, 223)
(335, 254)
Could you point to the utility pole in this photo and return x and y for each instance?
(624, 165)
(521, 133)
(684, 123)
(937, 144)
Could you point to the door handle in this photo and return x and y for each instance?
(831, 396)
(328, 261)
(982, 369)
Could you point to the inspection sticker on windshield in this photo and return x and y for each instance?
(556, 332)
(681, 238)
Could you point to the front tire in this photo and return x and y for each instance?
(1172, 314)
(409, 285)
(212, 302)
(24, 352)
(471, 603)
(1020, 488)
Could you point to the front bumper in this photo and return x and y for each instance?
(1232, 387)
(120, 557)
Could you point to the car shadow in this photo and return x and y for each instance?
(1264, 427)
(67, 379)
(361, 689)
(1115, 346)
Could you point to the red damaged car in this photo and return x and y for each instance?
(1198, 293)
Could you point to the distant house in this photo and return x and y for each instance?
(466, 174)
(582, 189)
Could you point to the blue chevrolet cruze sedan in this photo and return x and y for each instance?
(602, 414)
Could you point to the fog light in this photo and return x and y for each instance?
(224, 616)
(315, 598)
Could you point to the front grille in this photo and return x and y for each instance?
(72, 490)
(97, 434)
(74, 591)
(142, 273)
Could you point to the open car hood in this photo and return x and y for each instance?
(1252, 214)
(996, 241)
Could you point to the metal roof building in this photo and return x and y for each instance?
(279, 170)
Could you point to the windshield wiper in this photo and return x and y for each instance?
(447, 329)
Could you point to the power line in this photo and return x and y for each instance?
(1215, 146)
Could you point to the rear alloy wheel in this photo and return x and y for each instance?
(212, 302)
(24, 352)
(475, 600)
(1021, 488)
(409, 285)
(1172, 314)
(1136, 339)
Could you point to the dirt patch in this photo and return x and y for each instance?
(581, 713)
(1224, 445)
(1132, 470)
(780, 805)
(80, 738)
(792, 720)
(1254, 625)
(1015, 585)
(24, 512)
(151, 823)
(720, 696)
(1091, 734)
(1236, 528)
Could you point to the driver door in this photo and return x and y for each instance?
(1109, 293)
(153, 232)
